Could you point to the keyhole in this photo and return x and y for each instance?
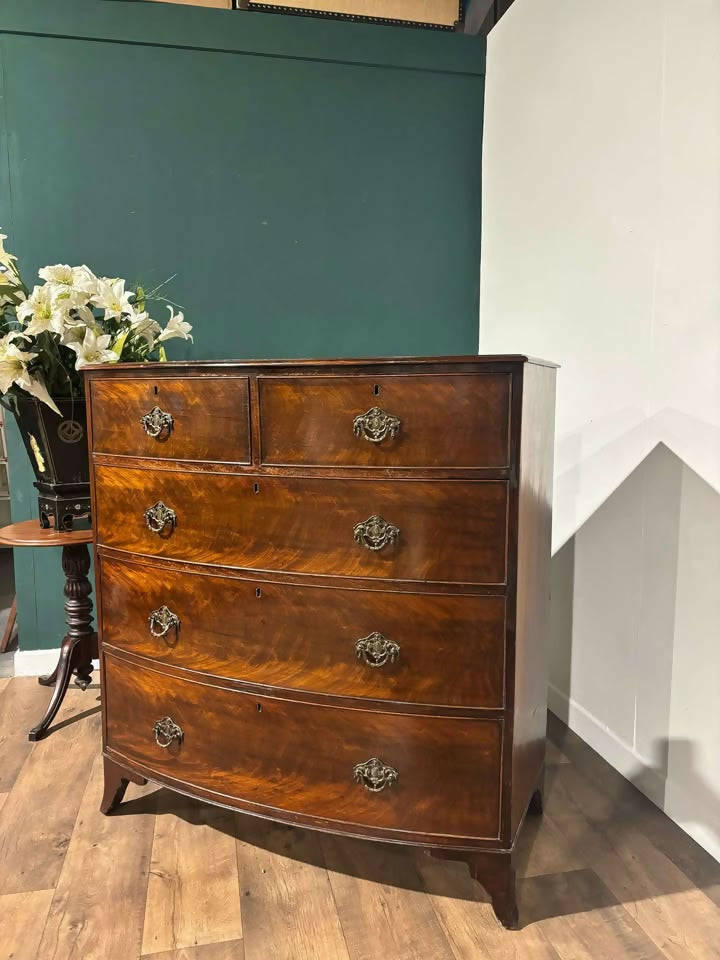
(256, 488)
(259, 708)
(155, 389)
(258, 592)
(376, 389)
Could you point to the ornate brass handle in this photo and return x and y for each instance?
(376, 650)
(376, 425)
(375, 533)
(375, 775)
(166, 730)
(157, 422)
(158, 516)
(162, 620)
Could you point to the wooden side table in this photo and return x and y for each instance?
(80, 644)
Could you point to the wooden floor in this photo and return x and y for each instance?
(605, 876)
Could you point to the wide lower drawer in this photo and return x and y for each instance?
(193, 418)
(434, 421)
(417, 530)
(433, 775)
(407, 647)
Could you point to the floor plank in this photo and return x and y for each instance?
(98, 908)
(22, 918)
(228, 950)
(22, 704)
(543, 847)
(193, 896)
(582, 920)
(383, 908)
(40, 812)
(554, 754)
(680, 919)
(701, 869)
(287, 903)
(470, 924)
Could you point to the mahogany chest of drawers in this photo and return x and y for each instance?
(323, 592)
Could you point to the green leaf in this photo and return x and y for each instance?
(117, 347)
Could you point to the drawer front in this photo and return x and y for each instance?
(301, 758)
(406, 647)
(449, 530)
(454, 421)
(210, 418)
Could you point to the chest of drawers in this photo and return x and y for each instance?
(323, 593)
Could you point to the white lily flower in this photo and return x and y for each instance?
(39, 309)
(59, 273)
(112, 297)
(7, 259)
(54, 308)
(73, 335)
(14, 371)
(80, 280)
(76, 322)
(36, 388)
(9, 338)
(93, 349)
(13, 365)
(143, 326)
(177, 327)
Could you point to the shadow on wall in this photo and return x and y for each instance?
(634, 665)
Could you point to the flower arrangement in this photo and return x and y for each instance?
(74, 318)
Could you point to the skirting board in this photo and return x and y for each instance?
(35, 663)
(672, 798)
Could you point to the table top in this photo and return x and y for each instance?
(29, 533)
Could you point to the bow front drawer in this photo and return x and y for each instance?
(197, 418)
(446, 531)
(457, 421)
(385, 771)
(437, 649)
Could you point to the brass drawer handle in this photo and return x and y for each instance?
(376, 650)
(158, 516)
(162, 620)
(376, 425)
(166, 730)
(375, 775)
(157, 422)
(375, 533)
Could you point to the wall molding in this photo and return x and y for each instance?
(672, 798)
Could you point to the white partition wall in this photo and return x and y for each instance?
(601, 251)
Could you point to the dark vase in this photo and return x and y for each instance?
(58, 451)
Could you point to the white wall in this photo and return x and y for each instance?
(601, 251)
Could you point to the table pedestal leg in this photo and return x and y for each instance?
(79, 645)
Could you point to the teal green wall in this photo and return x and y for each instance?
(314, 184)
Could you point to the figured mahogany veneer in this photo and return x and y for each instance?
(210, 418)
(445, 421)
(304, 637)
(450, 531)
(299, 757)
(256, 653)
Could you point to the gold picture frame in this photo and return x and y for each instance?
(429, 14)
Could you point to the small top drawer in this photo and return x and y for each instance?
(456, 421)
(194, 418)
